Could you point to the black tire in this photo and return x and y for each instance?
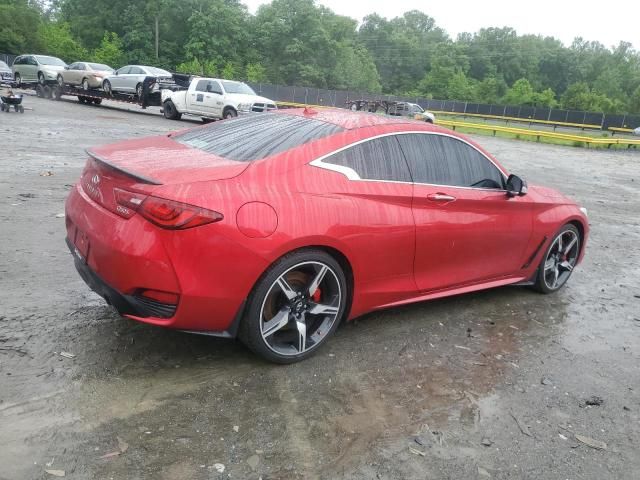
(97, 101)
(41, 79)
(85, 84)
(21, 110)
(428, 120)
(170, 111)
(251, 327)
(60, 81)
(553, 255)
(1, 107)
(139, 91)
(82, 99)
(229, 113)
(106, 86)
(18, 80)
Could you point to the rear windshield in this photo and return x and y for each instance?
(50, 61)
(257, 136)
(100, 67)
(157, 71)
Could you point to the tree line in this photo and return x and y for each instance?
(297, 42)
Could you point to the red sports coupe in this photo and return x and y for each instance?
(275, 227)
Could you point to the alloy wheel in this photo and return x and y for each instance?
(561, 259)
(300, 308)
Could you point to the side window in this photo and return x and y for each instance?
(377, 159)
(215, 87)
(124, 70)
(442, 160)
(18, 61)
(201, 86)
(32, 61)
(136, 71)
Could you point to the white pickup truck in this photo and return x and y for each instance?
(213, 98)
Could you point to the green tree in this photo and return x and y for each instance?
(58, 41)
(255, 72)
(110, 50)
(19, 20)
(520, 93)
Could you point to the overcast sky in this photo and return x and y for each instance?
(607, 22)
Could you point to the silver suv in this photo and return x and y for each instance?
(36, 68)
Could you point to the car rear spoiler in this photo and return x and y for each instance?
(106, 163)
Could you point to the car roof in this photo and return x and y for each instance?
(350, 120)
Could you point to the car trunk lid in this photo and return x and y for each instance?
(145, 164)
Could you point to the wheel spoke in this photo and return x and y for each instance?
(302, 334)
(566, 265)
(570, 245)
(549, 264)
(276, 323)
(289, 292)
(320, 309)
(315, 283)
(560, 243)
(556, 274)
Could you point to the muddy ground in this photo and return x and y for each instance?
(487, 385)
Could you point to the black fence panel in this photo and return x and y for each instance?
(592, 118)
(526, 112)
(459, 107)
(557, 115)
(615, 121)
(484, 109)
(269, 91)
(512, 111)
(328, 98)
(575, 116)
(300, 94)
(497, 110)
(341, 98)
(632, 121)
(423, 102)
(541, 113)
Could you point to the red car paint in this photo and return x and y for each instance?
(400, 246)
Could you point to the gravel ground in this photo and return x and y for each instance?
(487, 385)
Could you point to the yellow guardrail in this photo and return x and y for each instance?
(540, 133)
(522, 120)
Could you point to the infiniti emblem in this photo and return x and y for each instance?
(95, 179)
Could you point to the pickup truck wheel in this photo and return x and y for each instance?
(60, 81)
(229, 113)
(41, 79)
(170, 111)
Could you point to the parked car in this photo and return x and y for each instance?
(129, 78)
(275, 227)
(6, 75)
(36, 68)
(88, 74)
(213, 98)
(412, 110)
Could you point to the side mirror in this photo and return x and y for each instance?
(516, 186)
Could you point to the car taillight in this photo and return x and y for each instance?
(162, 212)
(127, 203)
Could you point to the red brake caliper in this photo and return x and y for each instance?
(317, 295)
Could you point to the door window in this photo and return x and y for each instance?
(443, 160)
(377, 159)
(201, 86)
(124, 70)
(136, 71)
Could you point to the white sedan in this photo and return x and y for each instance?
(129, 78)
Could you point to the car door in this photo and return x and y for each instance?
(30, 69)
(135, 77)
(196, 97)
(213, 99)
(118, 80)
(381, 228)
(70, 75)
(468, 230)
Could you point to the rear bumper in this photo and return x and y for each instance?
(128, 305)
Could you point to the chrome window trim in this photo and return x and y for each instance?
(352, 175)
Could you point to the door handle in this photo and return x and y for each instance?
(440, 197)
